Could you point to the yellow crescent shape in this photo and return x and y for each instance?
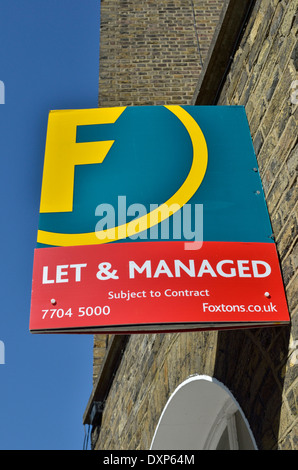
(172, 205)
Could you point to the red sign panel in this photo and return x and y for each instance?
(156, 286)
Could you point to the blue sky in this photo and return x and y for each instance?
(49, 56)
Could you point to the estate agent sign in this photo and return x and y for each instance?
(153, 218)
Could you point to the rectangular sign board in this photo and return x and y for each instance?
(139, 286)
(153, 219)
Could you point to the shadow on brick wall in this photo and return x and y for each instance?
(252, 365)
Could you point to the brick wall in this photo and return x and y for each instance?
(151, 51)
(263, 71)
(151, 368)
(261, 78)
(258, 366)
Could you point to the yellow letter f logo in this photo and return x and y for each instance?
(62, 154)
